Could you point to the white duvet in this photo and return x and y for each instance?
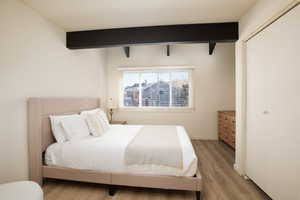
(106, 154)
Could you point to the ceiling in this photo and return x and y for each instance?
(75, 15)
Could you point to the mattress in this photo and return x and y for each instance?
(106, 153)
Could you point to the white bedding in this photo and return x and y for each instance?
(106, 153)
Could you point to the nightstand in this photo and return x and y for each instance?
(119, 122)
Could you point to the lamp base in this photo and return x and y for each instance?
(111, 114)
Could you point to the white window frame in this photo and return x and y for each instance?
(158, 69)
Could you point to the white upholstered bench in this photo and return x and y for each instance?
(23, 190)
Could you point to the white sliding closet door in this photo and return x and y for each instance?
(273, 108)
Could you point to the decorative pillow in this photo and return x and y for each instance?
(75, 127)
(85, 113)
(95, 125)
(103, 118)
(57, 130)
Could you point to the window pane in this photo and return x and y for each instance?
(180, 89)
(164, 89)
(150, 95)
(131, 89)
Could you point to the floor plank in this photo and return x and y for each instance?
(220, 180)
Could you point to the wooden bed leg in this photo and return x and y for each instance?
(198, 195)
(111, 190)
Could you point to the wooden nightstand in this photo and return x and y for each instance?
(119, 122)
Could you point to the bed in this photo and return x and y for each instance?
(89, 160)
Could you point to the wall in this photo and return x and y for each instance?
(262, 11)
(213, 82)
(35, 62)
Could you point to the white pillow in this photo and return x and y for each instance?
(101, 113)
(86, 112)
(75, 127)
(103, 120)
(57, 130)
(104, 117)
(95, 125)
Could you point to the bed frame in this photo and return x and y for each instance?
(40, 137)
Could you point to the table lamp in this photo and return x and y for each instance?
(111, 105)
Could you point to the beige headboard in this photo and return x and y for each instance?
(39, 131)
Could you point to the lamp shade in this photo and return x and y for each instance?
(111, 104)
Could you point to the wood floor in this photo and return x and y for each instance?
(221, 182)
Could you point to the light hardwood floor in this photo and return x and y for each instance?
(221, 182)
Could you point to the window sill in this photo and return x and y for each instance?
(159, 110)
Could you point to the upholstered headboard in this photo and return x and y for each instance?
(39, 131)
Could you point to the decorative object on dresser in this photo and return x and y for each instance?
(226, 120)
(118, 122)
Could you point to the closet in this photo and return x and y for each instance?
(273, 108)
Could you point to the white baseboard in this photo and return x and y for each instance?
(236, 168)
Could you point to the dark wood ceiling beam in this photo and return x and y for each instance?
(170, 34)
(212, 46)
(127, 51)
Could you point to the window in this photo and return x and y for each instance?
(156, 89)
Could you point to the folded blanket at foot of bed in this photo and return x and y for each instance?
(155, 145)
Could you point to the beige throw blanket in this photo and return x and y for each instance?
(155, 145)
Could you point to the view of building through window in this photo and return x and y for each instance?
(156, 89)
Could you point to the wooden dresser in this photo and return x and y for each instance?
(226, 124)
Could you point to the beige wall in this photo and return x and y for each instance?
(256, 17)
(35, 62)
(213, 84)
